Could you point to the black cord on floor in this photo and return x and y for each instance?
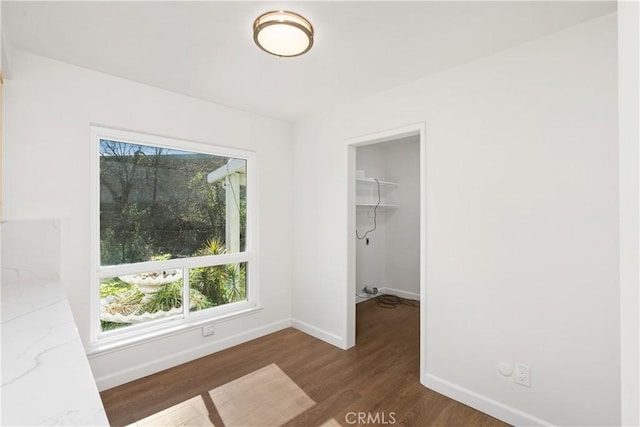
(392, 301)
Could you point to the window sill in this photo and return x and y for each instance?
(114, 344)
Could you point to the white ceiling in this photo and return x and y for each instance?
(205, 49)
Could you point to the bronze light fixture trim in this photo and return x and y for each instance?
(283, 33)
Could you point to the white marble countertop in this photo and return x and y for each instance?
(46, 378)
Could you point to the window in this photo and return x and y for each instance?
(172, 234)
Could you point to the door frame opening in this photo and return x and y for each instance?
(352, 144)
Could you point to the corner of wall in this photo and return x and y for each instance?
(318, 333)
(482, 403)
(114, 379)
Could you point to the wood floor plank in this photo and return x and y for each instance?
(380, 375)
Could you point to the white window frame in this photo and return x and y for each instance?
(134, 334)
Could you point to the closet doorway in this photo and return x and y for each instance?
(386, 221)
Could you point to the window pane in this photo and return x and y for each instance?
(145, 297)
(140, 298)
(217, 285)
(158, 203)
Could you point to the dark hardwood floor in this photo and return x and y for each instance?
(378, 376)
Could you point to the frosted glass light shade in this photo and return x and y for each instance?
(283, 33)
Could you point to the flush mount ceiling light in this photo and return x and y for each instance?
(283, 33)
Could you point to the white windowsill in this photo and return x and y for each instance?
(113, 344)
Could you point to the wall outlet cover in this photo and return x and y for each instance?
(208, 329)
(523, 375)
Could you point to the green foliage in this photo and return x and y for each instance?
(113, 286)
(204, 207)
(154, 201)
(109, 326)
(130, 301)
(210, 286)
(170, 296)
(125, 299)
(110, 252)
(162, 257)
(210, 280)
(212, 247)
(222, 284)
(236, 282)
(126, 302)
(198, 300)
(122, 239)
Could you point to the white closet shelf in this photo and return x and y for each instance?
(373, 181)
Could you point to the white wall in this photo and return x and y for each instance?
(20, 240)
(629, 111)
(48, 107)
(391, 260)
(522, 224)
(371, 259)
(403, 225)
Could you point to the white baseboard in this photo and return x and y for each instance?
(126, 375)
(401, 293)
(318, 333)
(360, 299)
(482, 403)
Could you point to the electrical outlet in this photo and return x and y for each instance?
(208, 329)
(523, 375)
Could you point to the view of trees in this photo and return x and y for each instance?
(156, 200)
(156, 203)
